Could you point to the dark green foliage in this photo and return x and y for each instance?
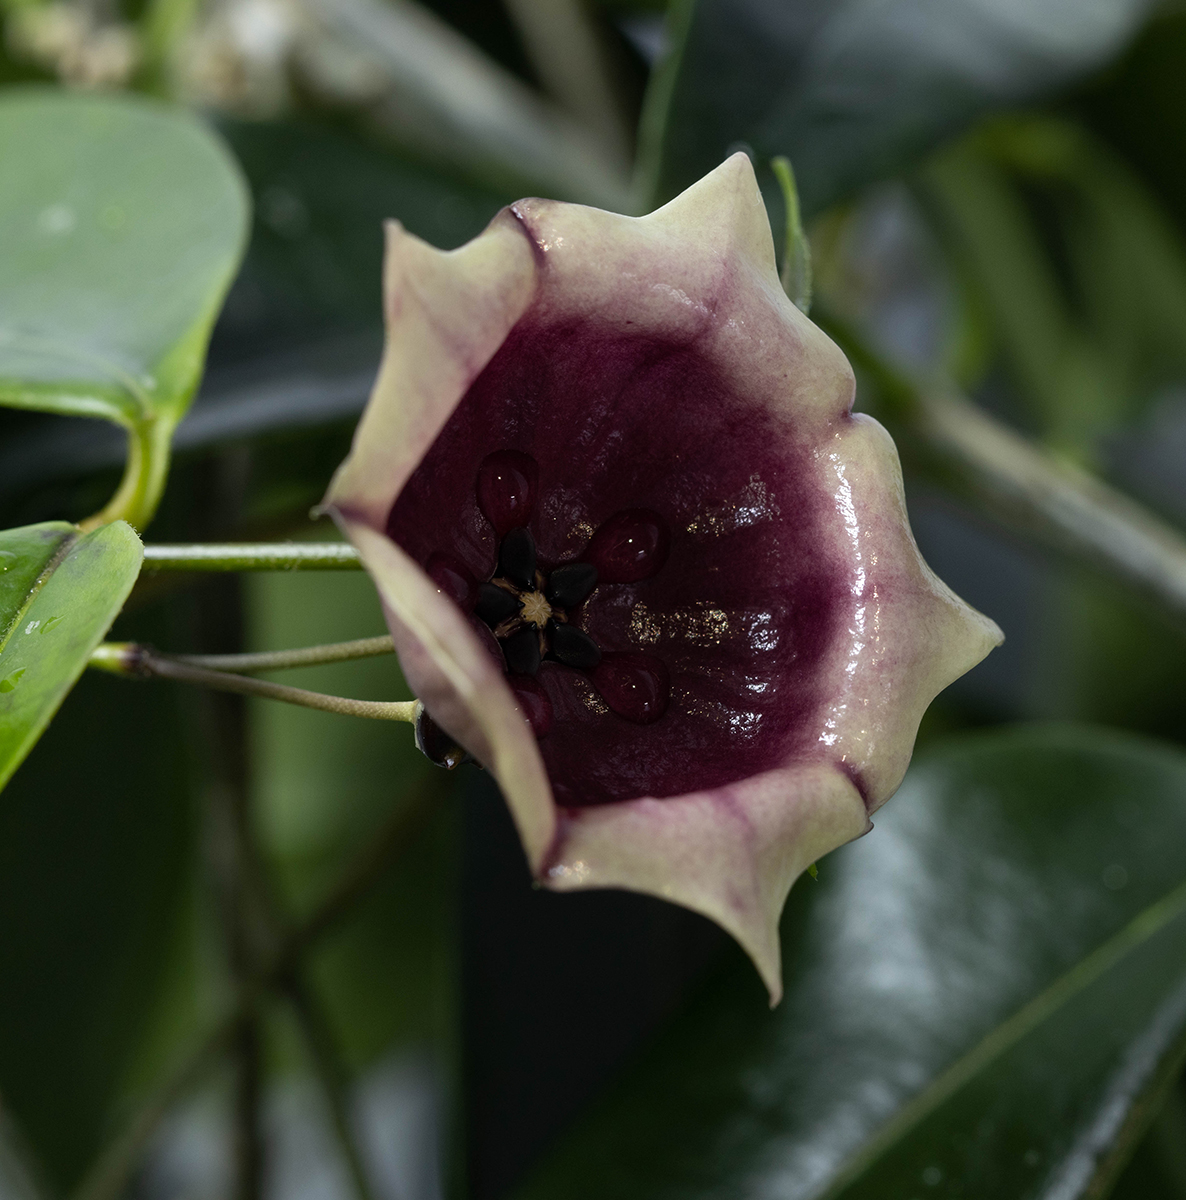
(982, 996)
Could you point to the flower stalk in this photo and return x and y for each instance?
(145, 474)
(252, 556)
(142, 662)
(284, 660)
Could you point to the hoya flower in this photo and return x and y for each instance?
(638, 555)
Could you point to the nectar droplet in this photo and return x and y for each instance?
(507, 484)
(434, 743)
(629, 546)
(635, 686)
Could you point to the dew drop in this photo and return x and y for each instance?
(507, 485)
(434, 743)
(9, 682)
(635, 686)
(451, 577)
(629, 546)
(534, 702)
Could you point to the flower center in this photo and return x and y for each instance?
(536, 609)
(526, 609)
(534, 613)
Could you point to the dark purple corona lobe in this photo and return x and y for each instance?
(630, 546)
(635, 686)
(452, 577)
(522, 651)
(508, 482)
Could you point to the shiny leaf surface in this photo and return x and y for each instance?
(853, 90)
(122, 230)
(66, 590)
(983, 995)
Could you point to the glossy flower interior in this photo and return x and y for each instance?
(693, 660)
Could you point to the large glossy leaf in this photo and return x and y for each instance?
(853, 90)
(123, 222)
(65, 591)
(983, 997)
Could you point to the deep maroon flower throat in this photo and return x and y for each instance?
(634, 543)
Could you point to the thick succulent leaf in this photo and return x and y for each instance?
(64, 593)
(852, 90)
(122, 228)
(983, 996)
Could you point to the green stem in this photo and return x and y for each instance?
(145, 473)
(795, 275)
(253, 556)
(134, 661)
(282, 660)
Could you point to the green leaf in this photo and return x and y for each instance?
(985, 998)
(123, 227)
(65, 591)
(854, 90)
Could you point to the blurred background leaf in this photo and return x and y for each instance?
(852, 91)
(983, 997)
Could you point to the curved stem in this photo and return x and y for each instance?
(253, 556)
(284, 660)
(795, 275)
(136, 661)
(145, 473)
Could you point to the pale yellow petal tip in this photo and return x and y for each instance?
(727, 207)
(767, 960)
